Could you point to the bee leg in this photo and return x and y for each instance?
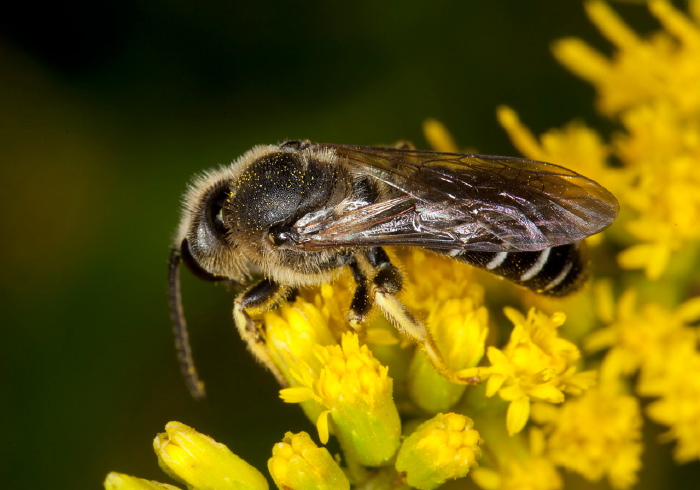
(361, 303)
(386, 283)
(260, 297)
(291, 295)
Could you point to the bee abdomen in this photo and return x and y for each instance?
(555, 271)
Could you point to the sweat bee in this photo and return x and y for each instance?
(296, 214)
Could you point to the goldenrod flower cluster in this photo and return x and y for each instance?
(645, 326)
(557, 385)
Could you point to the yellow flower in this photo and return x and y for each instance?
(356, 392)
(678, 399)
(661, 150)
(664, 66)
(662, 345)
(293, 331)
(518, 465)
(442, 448)
(332, 301)
(460, 331)
(597, 434)
(535, 364)
(644, 337)
(203, 463)
(298, 463)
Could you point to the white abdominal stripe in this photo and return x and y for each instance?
(554, 271)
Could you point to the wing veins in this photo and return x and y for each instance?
(471, 202)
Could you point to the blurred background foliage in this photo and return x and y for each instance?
(108, 108)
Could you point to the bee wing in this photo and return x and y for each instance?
(469, 202)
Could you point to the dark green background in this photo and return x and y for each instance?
(107, 109)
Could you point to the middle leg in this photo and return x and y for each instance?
(386, 282)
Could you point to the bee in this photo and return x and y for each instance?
(298, 213)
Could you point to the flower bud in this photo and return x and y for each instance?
(459, 327)
(203, 463)
(298, 463)
(442, 448)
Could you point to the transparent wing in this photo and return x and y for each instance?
(457, 201)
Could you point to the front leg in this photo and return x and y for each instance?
(258, 298)
(361, 302)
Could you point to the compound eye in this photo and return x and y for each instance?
(192, 264)
(216, 212)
